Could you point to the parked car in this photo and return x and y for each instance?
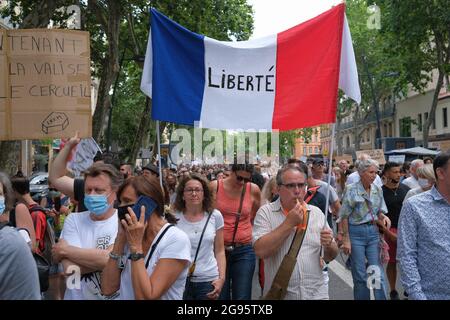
(39, 186)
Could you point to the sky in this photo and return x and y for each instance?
(273, 16)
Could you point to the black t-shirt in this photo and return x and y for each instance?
(78, 191)
(394, 201)
(318, 200)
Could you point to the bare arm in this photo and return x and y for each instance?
(57, 171)
(163, 277)
(93, 259)
(346, 245)
(256, 197)
(23, 220)
(110, 280)
(219, 253)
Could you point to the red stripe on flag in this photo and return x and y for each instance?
(307, 75)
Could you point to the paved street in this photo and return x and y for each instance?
(341, 282)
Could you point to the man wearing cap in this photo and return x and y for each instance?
(150, 170)
(318, 172)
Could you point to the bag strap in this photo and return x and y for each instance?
(312, 192)
(280, 282)
(192, 267)
(297, 241)
(238, 214)
(156, 244)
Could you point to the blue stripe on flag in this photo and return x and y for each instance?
(178, 71)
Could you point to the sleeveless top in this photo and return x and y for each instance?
(229, 207)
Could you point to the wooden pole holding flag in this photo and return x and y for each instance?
(333, 131)
(159, 153)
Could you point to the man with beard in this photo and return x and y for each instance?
(125, 170)
(394, 193)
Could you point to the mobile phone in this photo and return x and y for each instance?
(149, 204)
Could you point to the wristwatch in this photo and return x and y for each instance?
(119, 260)
(136, 256)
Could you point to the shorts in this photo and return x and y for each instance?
(392, 247)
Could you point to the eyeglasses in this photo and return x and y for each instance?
(191, 191)
(241, 178)
(293, 186)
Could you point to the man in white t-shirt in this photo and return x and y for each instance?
(412, 182)
(88, 237)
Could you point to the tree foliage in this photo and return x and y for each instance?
(418, 34)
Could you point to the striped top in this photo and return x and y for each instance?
(307, 280)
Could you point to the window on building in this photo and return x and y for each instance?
(419, 122)
(316, 150)
(348, 142)
(444, 117)
(304, 150)
(310, 150)
(405, 127)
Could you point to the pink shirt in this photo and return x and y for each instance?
(229, 207)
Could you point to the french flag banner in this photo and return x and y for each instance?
(286, 81)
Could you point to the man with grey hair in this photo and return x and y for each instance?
(88, 237)
(413, 182)
(273, 233)
(354, 177)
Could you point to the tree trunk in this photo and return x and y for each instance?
(142, 132)
(110, 70)
(432, 114)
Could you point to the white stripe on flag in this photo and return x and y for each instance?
(147, 73)
(348, 75)
(234, 108)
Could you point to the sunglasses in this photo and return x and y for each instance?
(240, 178)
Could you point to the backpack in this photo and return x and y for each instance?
(48, 240)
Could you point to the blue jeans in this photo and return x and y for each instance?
(240, 269)
(197, 290)
(365, 241)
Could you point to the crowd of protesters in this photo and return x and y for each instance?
(222, 231)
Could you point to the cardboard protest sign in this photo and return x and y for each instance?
(346, 157)
(376, 154)
(45, 84)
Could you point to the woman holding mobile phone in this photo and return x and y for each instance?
(150, 258)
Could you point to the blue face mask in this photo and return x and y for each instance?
(97, 203)
(2, 205)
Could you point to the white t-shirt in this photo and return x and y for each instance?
(206, 268)
(354, 177)
(173, 245)
(411, 182)
(83, 232)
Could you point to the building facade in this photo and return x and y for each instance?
(305, 148)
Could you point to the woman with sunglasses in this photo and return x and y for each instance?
(204, 226)
(238, 229)
(150, 258)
